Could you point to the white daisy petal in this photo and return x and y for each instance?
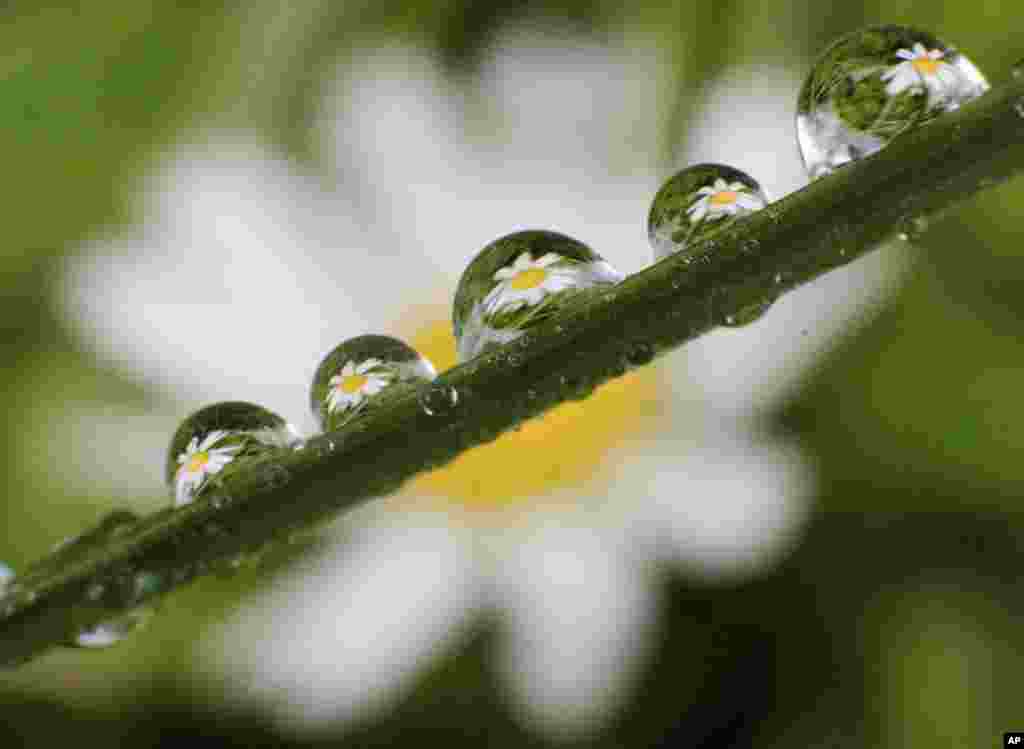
(343, 637)
(211, 439)
(547, 260)
(523, 262)
(581, 612)
(698, 210)
(374, 386)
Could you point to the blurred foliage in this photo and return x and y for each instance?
(896, 623)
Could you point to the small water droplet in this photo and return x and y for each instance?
(870, 86)
(639, 354)
(1019, 107)
(113, 630)
(699, 201)
(439, 398)
(1017, 71)
(95, 591)
(748, 314)
(778, 278)
(275, 476)
(912, 229)
(519, 281)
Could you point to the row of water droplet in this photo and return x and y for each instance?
(864, 91)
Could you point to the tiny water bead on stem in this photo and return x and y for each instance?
(216, 437)
(870, 86)
(127, 595)
(349, 379)
(698, 201)
(518, 281)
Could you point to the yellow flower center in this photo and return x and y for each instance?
(197, 462)
(352, 384)
(564, 448)
(528, 279)
(925, 65)
(725, 197)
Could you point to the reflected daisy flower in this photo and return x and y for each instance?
(355, 383)
(526, 282)
(555, 526)
(723, 199)
(925, 70)
(199, 461)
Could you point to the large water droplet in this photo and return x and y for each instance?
(219, 439)
(698, 201)
(518, 281)
(350, 379)
(872, 85)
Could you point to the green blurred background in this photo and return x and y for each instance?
(895, 622)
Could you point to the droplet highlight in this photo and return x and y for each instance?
(216, 441)
(518, 282)
(873, 85)
(697, 202)
(112, 631)
(351, 378)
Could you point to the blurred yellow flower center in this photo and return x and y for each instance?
(352, 384)
(528, 279)
(725, 197)
(197, 462)
(926, 65)
(563, 449)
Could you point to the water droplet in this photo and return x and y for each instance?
(353, 377)
(912, 229)
(275, 476)
(113, 630)
(748, 314)
(438, 398)
(1017, 71)
(872, 85)
(1019, 107)
(219, 439)
(95, 591)
(697, 202)
(639, 354)
(519, 281)
(778, 278)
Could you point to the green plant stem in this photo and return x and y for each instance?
(828, 224)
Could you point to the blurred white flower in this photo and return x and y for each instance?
(567, 562)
